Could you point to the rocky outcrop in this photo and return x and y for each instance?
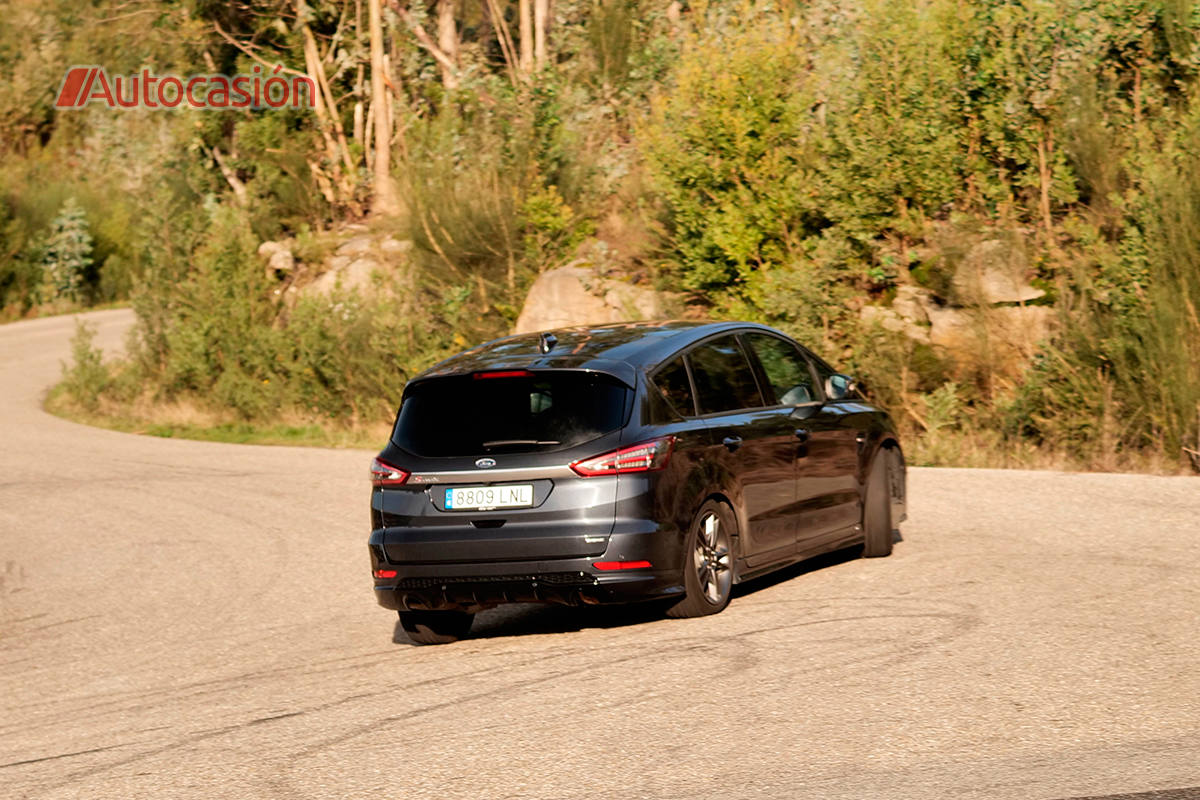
(993, 272)
(989, 319)
(578, 295)
(353, 263)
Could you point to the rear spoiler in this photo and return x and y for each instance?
(621, 370)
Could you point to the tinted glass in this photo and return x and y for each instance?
(724, 381)
(672, 382)
(466, 416)
(787, 371)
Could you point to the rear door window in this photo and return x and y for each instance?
(785, 368)
(675, 387)
(724, 380)
(527, 413)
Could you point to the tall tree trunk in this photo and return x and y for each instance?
(448, 41)
(505, 39)
(316, 70)
(541, 18)
(387, 199)
(525, 12)
(1045, 151)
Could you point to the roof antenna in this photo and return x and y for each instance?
(546, 342)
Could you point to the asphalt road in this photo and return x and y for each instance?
(185, 619)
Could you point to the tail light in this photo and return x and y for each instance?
(504, 373)
(642, 457)
(384, 474)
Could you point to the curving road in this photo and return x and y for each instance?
(185, 619)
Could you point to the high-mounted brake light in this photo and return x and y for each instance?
(642, 457)
(504, 373)
(607, 566)
(384, 474)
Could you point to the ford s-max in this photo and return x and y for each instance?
(623, 462)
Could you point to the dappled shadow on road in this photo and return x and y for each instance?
(524, 619)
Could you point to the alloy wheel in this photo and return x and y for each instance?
(714, 564)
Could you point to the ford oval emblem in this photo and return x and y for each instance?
(485, 463)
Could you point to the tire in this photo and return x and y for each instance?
(436, 627)
(708, 562)
(877, 509)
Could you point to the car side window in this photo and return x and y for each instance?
(724, 380)
(674, 386)
(786, 369)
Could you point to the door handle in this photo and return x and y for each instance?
(732, 442)
(802, 434)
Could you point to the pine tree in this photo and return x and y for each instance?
(68, 251)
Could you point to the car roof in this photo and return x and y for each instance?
(617, 348)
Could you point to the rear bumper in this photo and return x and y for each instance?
(475, 585)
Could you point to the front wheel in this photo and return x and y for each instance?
(877, 509)
(708, 562)
(436, 627)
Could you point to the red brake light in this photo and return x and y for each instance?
(384, 474)
(384, 573)
(504, 373)
(642, 457)
(611, 565)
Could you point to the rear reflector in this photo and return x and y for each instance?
(384, 573)
(642, 457)
(384, 474)
(504, 373)
(611, 565)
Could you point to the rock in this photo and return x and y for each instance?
(913, 303)
(356, 246)
(1023, 327)
(392, 246)
(992, 272)
(278, 255)
(1006, 338)
(576, 295)
(268, 249)
(888, 319)
(950, 328)
(349, 274)
(282, 261)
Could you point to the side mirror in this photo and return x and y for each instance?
(839, 387)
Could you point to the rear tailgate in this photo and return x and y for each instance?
(518, 433)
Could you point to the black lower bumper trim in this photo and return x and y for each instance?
(475, 593)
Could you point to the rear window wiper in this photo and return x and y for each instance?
(511, 442)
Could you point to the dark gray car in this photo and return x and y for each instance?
(619, 463)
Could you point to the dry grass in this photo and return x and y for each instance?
(187, 420)
(990, 450)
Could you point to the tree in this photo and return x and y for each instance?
(387, 199)
(68, 251)
(448, 41)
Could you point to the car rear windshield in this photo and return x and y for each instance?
(524, 413)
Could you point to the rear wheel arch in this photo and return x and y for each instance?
(723, 497)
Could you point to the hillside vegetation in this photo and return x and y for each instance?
(790, 163)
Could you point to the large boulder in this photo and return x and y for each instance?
(577, 295)
(993, 272)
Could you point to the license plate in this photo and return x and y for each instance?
(479, 498)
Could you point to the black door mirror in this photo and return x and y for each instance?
(838, 387)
